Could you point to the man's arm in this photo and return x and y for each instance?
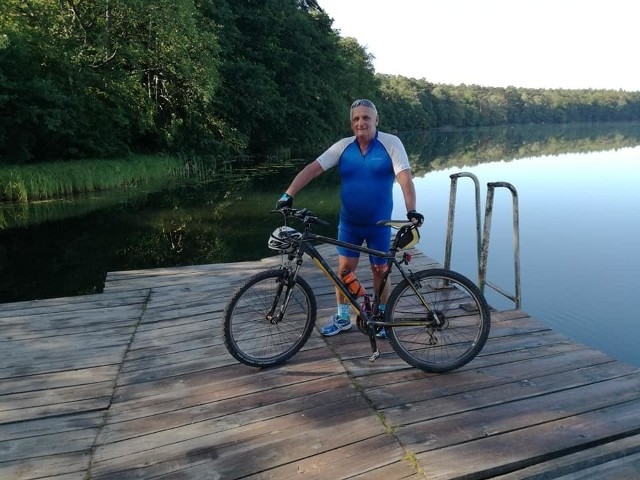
(308, 173)
(409, 192)
(408, 189)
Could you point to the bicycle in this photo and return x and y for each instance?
(436, 320)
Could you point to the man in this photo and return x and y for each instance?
(368, 163)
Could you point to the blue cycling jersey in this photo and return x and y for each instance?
(366, 180)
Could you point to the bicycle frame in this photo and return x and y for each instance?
(437, 320)
(372, 320)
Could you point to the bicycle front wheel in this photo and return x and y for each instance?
(269, 319)
(450, 318)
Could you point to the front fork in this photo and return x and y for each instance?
(276, 313)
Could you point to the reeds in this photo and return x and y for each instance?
(59, 179)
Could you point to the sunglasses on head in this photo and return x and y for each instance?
(363, 103)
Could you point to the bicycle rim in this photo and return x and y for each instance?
(249, 334)
(454, 328)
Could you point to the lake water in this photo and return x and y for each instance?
(579, 225)
(579, 240)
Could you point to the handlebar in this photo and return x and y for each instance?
(407, 236)
(305, 215)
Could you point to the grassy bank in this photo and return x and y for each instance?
(26, 183)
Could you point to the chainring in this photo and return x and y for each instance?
(364, 327)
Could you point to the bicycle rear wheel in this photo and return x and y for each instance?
(452, 330)
(252, 331)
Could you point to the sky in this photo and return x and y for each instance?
(572, 44)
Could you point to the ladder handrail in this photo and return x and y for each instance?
(516, 298)
(482, 237)
(451, 218)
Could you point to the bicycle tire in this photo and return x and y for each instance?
(461, 307)
(250, 337)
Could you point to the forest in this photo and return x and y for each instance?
(224, 79)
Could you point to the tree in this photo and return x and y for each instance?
(286, 74)
(84, 79)
(223, 77)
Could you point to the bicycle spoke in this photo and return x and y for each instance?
(251, 334)
(453, 330)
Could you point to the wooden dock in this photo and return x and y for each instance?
(136, 383)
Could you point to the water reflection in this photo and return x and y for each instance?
(578, 213)
(429, 151)
(434, 150)
(579, 231)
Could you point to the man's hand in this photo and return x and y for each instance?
(285, 200)
(415, 217)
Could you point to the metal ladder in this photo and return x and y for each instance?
(482, 236)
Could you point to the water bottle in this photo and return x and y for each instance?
(352, 283)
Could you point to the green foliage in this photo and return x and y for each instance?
(437, 149)
(412, 104)
(404, 102)
(101, 79)
(50, 103)
(286, 75)
(223, 78)
(58, 179)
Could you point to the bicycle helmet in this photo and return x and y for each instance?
(282, 239)
(407, 237)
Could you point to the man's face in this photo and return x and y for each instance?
(364, 121)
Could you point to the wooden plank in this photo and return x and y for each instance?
(178, 277)
(450, 423)
(241, 451)
(41, 382)
(54, 396)
(70, 466)
(626, 468)
(389, 363)
(50, 360)
(421, 392)
(139, 417)
(42, 427)
(235, 379)
(61, 443)
(368, 456)
(71, 325)
(149, 353)
(527, 446)
(616, 455)
(31, 308)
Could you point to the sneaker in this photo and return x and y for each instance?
(335, 326)
(382, 334)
